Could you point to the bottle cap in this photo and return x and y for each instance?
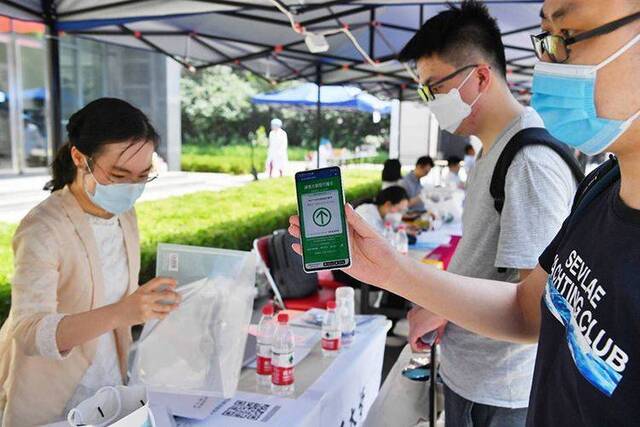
(344, 291)
(267, 310)
(331, 305)
(283, 318)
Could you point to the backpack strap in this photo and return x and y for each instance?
(524, 138)
(599, 180)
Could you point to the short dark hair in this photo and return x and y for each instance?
(453, 160)
(425, 161)
(457, 34)
(392, 170)
(394, 194)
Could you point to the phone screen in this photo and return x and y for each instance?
(323, 226)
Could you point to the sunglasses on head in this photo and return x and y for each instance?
(426, 90)
(555, 48)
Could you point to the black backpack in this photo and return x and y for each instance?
(524, 138)
(286, 267)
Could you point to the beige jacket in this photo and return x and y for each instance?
(57, 270)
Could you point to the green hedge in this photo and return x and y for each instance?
(227, 219)
(6, 267)
(235, 159)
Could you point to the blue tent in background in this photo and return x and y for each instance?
(306, 95)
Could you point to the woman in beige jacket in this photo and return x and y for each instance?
(75, 292)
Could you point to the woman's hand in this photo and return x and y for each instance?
(153, 300)
(372, 258)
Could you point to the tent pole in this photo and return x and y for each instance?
(55, 101)
(400, 98)
(372, 34)
(318, 113)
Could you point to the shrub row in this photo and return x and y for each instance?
(229, 219)
(232, 159)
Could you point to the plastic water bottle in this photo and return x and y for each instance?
(266, 328)
(331, 331)
(388, 232)
(402, 240)
(347, 314)
(282, 376)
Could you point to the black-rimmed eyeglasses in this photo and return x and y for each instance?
(555, 48)
(426, 91)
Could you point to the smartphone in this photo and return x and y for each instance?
(323, 225)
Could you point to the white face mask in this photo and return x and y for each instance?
(449, 108)
(395, 218)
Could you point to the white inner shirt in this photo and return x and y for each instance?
(105, 369)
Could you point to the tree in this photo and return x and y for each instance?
(217, 110)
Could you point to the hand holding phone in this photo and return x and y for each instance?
(323, 226)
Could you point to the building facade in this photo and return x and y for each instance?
(88, 70)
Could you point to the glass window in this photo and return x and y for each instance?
(5, 119)
(137, 70)
(68, 82)
(33, 94)
(92, 70)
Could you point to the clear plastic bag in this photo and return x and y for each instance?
(199, 347)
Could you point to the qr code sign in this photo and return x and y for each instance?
(247, 410)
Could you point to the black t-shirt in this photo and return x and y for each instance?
(587, 370)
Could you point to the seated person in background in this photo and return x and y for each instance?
(412, 184)
(469, 158)
(390, 201)
(391, 173)
(453, 179)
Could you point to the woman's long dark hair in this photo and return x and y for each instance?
(392, 170)
(100, 122)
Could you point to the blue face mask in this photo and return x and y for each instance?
(564, 96)
(115, 198)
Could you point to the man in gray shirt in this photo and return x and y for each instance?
(413, 186)
(461, 64)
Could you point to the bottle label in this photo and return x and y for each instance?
(282, 368)
(348, 335)
(263, 365)
(331, 340)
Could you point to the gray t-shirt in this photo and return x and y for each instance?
(539, 191)
(412, 185)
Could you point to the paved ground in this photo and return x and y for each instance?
(20, 193)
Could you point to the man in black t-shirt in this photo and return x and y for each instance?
(582, 302)
(587, 368)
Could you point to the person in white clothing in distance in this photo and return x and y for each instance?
(277, 155)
